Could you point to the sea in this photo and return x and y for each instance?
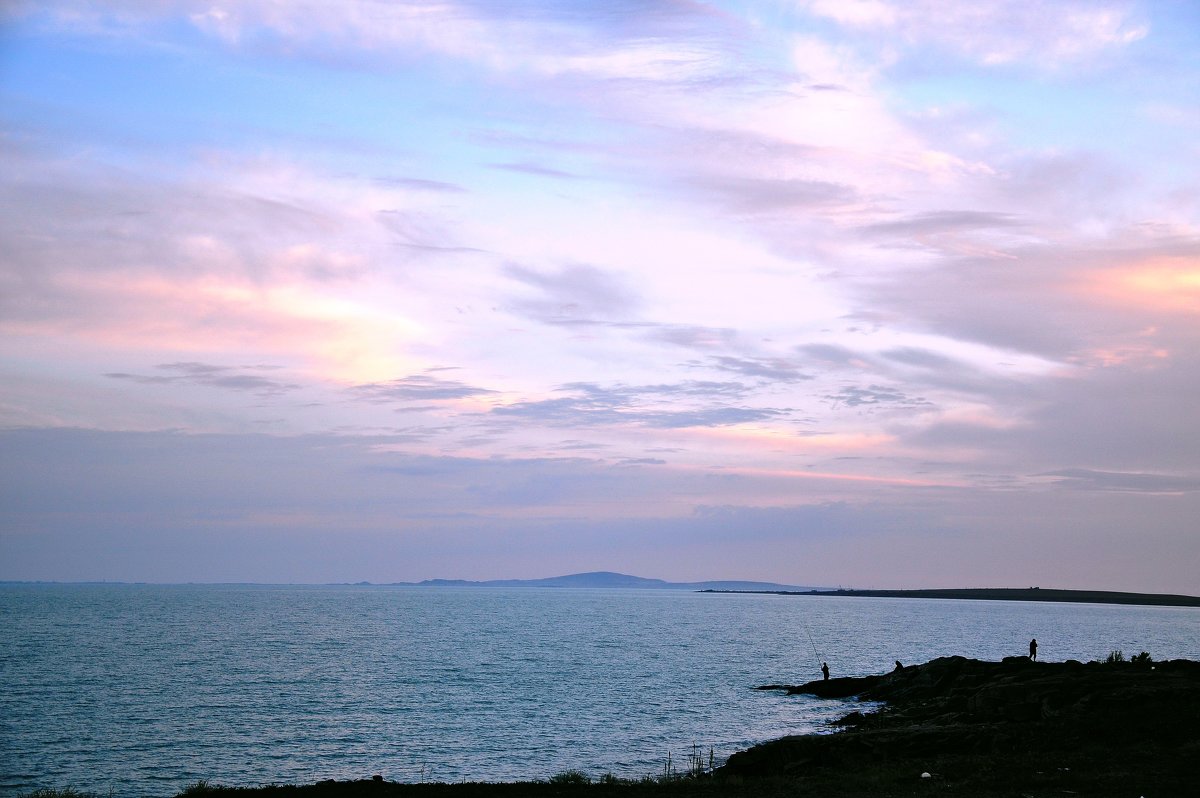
(143, 690)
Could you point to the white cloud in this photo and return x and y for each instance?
(867, 13)
(998, 32)
(542, 39)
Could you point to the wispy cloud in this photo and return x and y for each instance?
(573, 292)
(535, 169)
(227, 377)
(1086, 479)
(935, 222)
(589, 405)
(766, 368)
(996, 32)
(872, 395)
(417, 388)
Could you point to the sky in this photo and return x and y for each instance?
(860, 293)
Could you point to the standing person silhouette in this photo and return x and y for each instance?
(825, 670)
(1033, 649)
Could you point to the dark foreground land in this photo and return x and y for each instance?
(950, 727)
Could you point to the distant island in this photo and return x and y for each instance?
(1011, 594)
(610, 579)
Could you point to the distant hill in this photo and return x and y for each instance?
(609, 579)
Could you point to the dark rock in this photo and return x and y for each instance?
(842, 687)
(855, 718)
(953, 705)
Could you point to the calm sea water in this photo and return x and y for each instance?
(142, 690)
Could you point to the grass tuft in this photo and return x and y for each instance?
(571, 777)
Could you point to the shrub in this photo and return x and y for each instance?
(1142, 659)
(571, 777)
(1115, 656)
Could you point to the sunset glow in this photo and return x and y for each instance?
(626, 272)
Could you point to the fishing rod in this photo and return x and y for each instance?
(810, 640)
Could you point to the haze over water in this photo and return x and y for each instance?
(145, 689)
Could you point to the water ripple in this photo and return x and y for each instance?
(143, 689)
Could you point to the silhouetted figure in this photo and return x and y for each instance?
(825, 670)
(1033, 649)
(899, 667)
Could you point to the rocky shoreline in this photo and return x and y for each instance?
(1112, 728)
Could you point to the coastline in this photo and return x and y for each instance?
(1002, 594)
(1015, 727)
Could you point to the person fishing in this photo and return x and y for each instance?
(1033, 649)
(817, 654)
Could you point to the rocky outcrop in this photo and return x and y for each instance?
(960, 706)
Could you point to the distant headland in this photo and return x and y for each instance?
(1011, 594)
